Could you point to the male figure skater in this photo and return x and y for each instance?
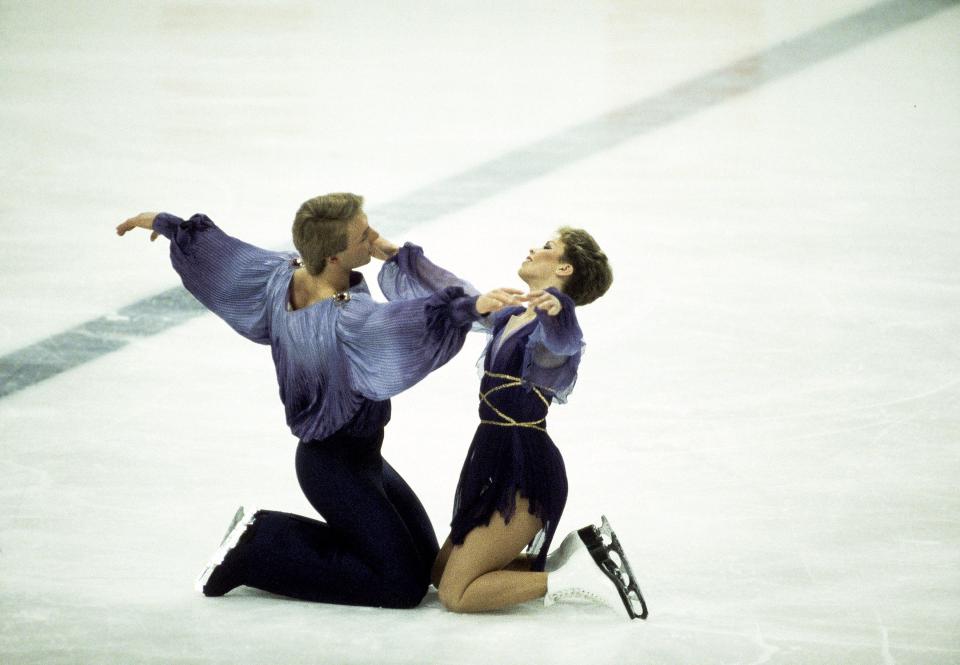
(339, 357)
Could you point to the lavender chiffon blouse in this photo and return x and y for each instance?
(337, 361)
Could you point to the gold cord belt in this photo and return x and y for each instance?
(512, 382)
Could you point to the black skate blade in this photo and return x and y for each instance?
(600, 542)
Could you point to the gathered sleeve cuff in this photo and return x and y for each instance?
(553, 350)
(228, 276)
(448, 309)
(390, 347)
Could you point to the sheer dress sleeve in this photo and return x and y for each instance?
(409, 274)
(553, 350)
(227, 275)
(391, 346)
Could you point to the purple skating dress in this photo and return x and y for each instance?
(511, 451)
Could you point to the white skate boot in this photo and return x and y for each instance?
(559, 556)
(590, 565)
(238, 527)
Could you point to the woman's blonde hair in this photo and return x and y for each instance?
(320, 227)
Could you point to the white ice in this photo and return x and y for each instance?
(768, 411)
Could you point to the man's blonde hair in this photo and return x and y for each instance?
(320, 227)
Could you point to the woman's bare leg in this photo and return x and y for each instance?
(521, 562)
(441, 563)
(474, 579)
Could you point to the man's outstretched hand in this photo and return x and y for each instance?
(144, 221)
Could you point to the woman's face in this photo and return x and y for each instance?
(542, 263)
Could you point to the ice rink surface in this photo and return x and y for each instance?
(769, 406)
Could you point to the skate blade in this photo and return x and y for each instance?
(608, 554)
(237, 516)
(238, 526)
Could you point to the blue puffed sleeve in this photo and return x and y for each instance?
(409, 274)
(227, 275)
(553, 350)
(390, 347)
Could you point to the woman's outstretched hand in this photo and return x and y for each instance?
(498, 299)
(144, 221)
(544, 301)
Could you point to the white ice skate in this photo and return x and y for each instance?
(238, 526)
(590, 565)
(559, 556)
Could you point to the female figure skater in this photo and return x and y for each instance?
(339, 357)
(513, 485)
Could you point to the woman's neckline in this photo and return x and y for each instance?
(506, 334)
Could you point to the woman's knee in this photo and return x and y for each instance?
(451, 596)
(440, 563)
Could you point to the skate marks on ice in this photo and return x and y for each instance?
(35, 363)
(585, 633)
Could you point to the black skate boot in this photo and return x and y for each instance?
(220, 574)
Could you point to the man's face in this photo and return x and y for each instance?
(360, 238)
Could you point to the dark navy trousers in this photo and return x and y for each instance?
(375, 548)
